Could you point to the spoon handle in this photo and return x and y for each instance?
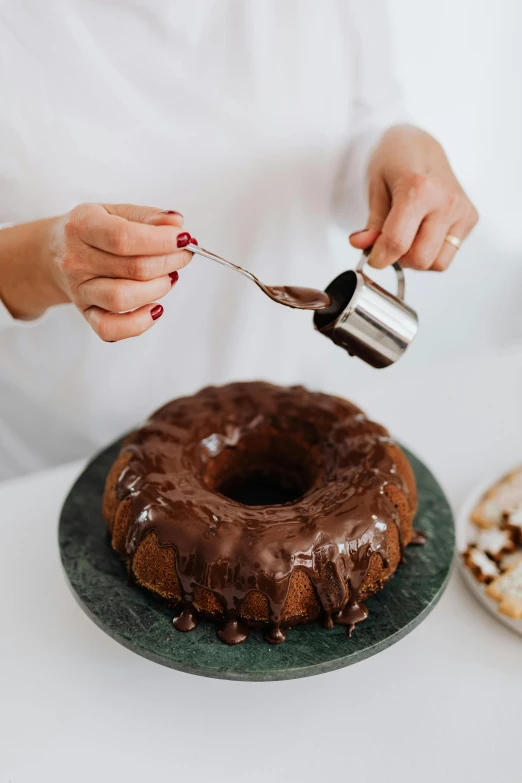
(213, 257)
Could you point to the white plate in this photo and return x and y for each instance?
(465, 531)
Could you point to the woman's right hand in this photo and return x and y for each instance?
(113, 261)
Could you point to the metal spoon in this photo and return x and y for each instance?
(288, 295)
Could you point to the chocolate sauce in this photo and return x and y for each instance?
(186, 621)
(233, 632)
(275, 635)
(183, 457)
(300, 298)
(419, 538)
(352, 614)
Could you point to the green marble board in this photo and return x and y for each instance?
(144, 624)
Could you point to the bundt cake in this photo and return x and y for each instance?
(259, 505)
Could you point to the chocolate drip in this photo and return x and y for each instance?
(352, 614)
(418, 539)
(275, 635)
(323, 451)
(186, 621)
(327, 619)
(233, 632)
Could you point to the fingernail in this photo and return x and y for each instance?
(156, 312)
(194, 241)
(170, 212)
(183, 239)
(173, 277)
(361, 231)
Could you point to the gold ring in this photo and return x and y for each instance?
(453, 240)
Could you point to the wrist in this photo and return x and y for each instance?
(29, 274)
(406, 148)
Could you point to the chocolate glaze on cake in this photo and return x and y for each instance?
(320, 454)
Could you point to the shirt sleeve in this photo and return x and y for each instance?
(376, 102)
(6, 319)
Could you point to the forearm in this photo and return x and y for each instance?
(28, 284)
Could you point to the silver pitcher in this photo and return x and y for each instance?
(365, 319)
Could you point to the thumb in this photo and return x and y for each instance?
(379, 203)
(151, 215)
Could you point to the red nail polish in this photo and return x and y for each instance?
(173, 277)
(194, 241)
(183, 239)
(156, 312)
(171, 212)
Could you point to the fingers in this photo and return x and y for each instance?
(95, 226)
(460, 229)
(379, 202)
(414, 198)
(445, 257)
(98, 263)
(111, 327)
(120, 296)
(152, 215)
(427, 244)
(365, 238)
(117, 259)
(415, 201)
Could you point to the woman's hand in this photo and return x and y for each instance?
(113, 261)
(415, 202)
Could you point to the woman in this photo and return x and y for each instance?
(263, 123)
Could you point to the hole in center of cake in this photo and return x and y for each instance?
(263, 487)
(263, 469)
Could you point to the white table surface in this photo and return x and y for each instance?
(441, 705)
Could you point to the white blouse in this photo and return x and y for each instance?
(255, 120)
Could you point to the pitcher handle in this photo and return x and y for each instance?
(399, 271)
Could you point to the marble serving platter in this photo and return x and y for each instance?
(143, 623)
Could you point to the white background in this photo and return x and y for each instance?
(460, 62)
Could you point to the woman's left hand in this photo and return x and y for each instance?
(415, 202)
